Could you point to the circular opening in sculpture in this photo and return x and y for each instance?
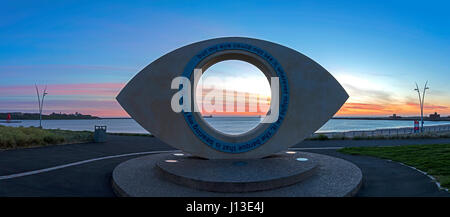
(233, 96)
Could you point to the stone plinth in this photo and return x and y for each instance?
(333, 177)
(236, 175)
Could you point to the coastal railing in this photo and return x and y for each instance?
(390, 132)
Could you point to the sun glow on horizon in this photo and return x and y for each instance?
(372, 95)
(240, 89)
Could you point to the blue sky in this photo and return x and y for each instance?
(376, 50)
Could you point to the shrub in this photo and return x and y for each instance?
(17, 137)
(320, 137)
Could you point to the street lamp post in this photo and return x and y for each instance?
(41, 103)
(421, 101)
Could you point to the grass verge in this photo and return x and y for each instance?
(432, 159)
(381, 137)
(22, 137)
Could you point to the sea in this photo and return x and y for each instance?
(229, 125)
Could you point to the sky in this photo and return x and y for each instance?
(86, 51)
(233, 88)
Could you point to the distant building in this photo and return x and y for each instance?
(395, 116)
(435, 116)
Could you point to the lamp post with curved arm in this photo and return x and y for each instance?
(421, 101)
(41, 103)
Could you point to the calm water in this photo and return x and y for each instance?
(231, 125)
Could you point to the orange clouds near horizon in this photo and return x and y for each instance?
(98, 99)
(406, 109)
(233, 103)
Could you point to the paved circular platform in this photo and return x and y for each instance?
(158, 176)
(236, 175)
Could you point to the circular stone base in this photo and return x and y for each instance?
(236, 175)
(158, 175)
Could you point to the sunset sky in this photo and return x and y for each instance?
(238, 87)
(86, 51)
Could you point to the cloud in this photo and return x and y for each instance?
(99, 99)
(88, 98)
(91, 89)
(232, 102)
(428, 106)
(98, 108)
(48, 71)
(368, 94)
(407, 108)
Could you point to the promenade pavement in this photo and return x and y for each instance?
(85, 169)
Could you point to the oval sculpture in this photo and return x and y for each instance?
(308, 97)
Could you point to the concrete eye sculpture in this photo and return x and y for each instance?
(308, 97)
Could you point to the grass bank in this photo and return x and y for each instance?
(432, 159)
(22, 137)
